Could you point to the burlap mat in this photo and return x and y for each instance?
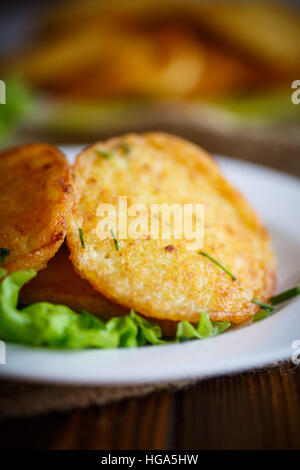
(19, 399)
(23, 399)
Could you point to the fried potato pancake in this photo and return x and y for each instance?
(161, 278)
(60, 284)
(33, 187)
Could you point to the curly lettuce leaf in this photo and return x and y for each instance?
(148, 331)
(204, 329)
(57, 326)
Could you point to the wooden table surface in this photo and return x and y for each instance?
(257, 410)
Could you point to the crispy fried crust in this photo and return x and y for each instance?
(160, 283)
(33, 188)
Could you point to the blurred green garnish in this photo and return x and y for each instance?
(18, 100)
(103, 154)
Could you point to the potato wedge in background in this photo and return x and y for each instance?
(146, 49)
(268, 31)
(33, 187)
(213, 73)
(144, 274)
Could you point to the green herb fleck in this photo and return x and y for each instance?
(218, 264)
(115, 240)
(81, 238)
(286, 295)
(103, 154)
(260, 315)
(125, 148)
(266, 307)
(4, 252)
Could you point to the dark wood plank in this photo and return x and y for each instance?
(249, 411)
(130, 424)
(258, 410)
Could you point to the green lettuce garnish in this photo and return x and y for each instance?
(204, 329)
(57, 326)
(148, 332)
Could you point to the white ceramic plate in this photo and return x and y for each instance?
(277, 198)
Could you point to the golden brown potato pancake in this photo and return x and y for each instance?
(60, 284)
(143, 274)
(33, 187)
